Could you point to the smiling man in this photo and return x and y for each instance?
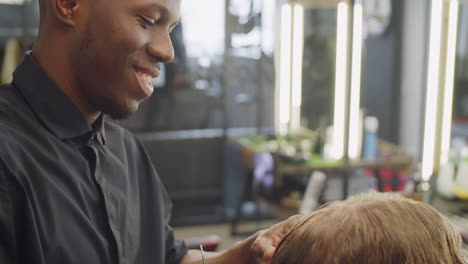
(103, 54)
(74, 187)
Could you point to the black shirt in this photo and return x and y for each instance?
(71, 192)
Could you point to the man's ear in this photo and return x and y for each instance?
(66, 11)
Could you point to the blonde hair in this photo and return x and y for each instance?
(372, 228)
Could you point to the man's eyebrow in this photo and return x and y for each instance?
(164, 11)
(158, 7)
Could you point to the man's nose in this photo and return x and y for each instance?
(162, 49)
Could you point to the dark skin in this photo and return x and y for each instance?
(101, 54)
(108, 43)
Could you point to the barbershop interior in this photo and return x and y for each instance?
(273, 108)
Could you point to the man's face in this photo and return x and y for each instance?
(121, 44)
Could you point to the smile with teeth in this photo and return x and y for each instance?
(145, 77)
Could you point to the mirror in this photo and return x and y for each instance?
(460, 103)
(454, 126)
(445, 147)
(318, 67)
(319, 78)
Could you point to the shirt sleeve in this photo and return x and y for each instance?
(8, 238)
(175, 248)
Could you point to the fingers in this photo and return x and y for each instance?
(278, 233)
(279, 230)
(268, 255)
(291, 222)
(264, 246)
(259, 246)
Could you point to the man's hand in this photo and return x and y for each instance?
(258, 248)
(266, 242)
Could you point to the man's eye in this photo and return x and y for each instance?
(147, 22)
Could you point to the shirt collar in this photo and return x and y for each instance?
(98, 128)
(52, 106)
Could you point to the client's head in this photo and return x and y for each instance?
(372, 228)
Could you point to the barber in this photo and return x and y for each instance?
(75, 187)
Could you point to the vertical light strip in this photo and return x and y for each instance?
(284, 109)
(433, 72)
(297, 54)
(340, 81)
(354, 138)
(449, 81)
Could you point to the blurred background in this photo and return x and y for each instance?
(273, 107)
